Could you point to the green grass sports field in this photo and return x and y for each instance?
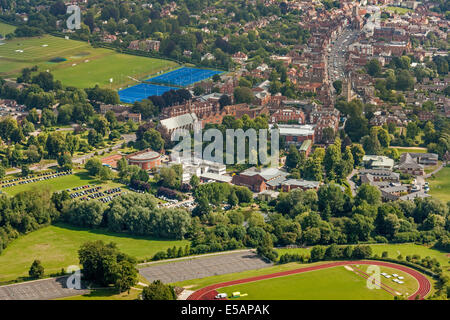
(440, 185)
(81, 65)
(394, 250)
(336, 283)
(57, 247)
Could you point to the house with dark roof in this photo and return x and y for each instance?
(409, 165)
(426, 159)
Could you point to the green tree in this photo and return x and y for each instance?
(105, 264)
(243, 95)
(358, 153)
(293, 157)
(384, 137)
(373, 67)
(65, 161)
(158, 291)
(194, 181)
(126, 276)
(36, 270)
(93, 166)
(338, 86)
(368, 193)
(317, 253)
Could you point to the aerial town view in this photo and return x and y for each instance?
(224, 150)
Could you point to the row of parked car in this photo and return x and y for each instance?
(84, 192)
(135, 190)
(110, 198)
(113, 190)
(79, 188)
(102, 194)
(34, 178)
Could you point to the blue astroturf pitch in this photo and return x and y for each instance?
(142, 91)
(184, 76)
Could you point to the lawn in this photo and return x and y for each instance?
(107, 294)
(398, 10)
(57, 246)
(413, 150)
(56, 184)
(80, 64)
(336, 283)
(440, 184)
(6, 28)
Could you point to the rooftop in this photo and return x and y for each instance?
(296, 130)
(179, 121)
(144, 155)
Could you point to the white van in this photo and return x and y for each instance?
(221, 296)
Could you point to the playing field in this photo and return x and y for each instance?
(393, 250)
(76, 63)
(440, 184)
(142, 91)
(184, 76)
(57, 246)
(338, 283)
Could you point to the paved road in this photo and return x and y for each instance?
(351, 183)
(44, 289)
(336, 57)
(193, 257)
(204, 267)
(436, 170)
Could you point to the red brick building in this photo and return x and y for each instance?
(145, 159)
(255, 183)
(288, 115)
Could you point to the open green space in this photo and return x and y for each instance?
(57, 247)
(55, 184)
(6, 28)
(80, 65)
(440, 184)
(336, 283)
(398, 10)
(107, 294)
(412, 150)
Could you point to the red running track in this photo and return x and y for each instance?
(209, 292)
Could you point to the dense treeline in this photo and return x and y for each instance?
(132, 213)
(332, 216)
(332, 252)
